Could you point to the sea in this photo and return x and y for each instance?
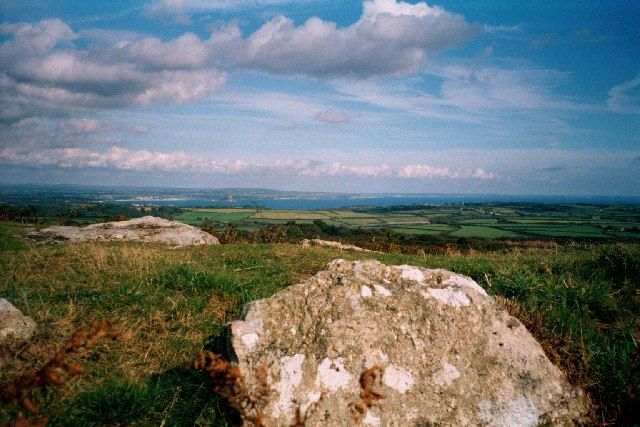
(274, 199)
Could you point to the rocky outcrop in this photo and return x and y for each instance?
(13, 324)
(331, 244)
(147, 229)
(396, 345)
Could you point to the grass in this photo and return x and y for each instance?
(483, 232)
(581, 302)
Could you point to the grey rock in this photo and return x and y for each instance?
(331, 244)
(450, 354)
(147, 229)
(13, 324)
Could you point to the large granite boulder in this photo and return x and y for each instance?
(13, 324)
(147, 229)
(362, 342)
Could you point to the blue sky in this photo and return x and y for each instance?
(375, 96)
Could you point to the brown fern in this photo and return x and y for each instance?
(55, 372)
(368, 395)
(229, 383)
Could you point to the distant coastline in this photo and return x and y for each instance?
(274, 199)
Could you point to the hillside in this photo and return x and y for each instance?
(580, 301)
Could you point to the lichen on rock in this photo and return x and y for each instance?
(447, 352)
(147, 229)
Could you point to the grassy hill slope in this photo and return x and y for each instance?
(581, 301)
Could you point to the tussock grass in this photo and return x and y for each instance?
(580, 301)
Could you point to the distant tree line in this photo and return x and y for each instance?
(80, 213)
(25, 214)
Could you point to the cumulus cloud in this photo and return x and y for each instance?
(390, 38)
(119, 158)
(338, 168)
(45, 72)
(428, 171)
(333, 117)
(115, 158)
(42, 73)
(40, 37)
(625, 97)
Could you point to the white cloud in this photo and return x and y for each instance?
(35, 38)
(43, 72)
(110, 36)
(625, 97)
(118, 158)
(338, 168)
(390, 38)
(185, 52)
(473, 93)
(281, 104)
(81, 126)
(428, 171)
(491, 87)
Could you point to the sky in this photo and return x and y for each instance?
(451, 96)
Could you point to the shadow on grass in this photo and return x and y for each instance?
(176, 397)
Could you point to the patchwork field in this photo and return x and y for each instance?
(485, 221)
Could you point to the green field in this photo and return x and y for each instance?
(483, 232)
(474, 221)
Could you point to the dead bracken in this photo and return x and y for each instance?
(55, 372)
(228, 382)
(368, 396)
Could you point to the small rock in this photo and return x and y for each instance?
(147, 229)
(13, 324)
(449, 354)
(330, 244)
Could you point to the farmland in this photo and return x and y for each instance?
(484, 221)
